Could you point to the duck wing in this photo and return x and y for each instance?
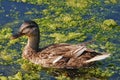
(65, 50)
(68, 56)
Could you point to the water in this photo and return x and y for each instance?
(11, 12)
(16, 11)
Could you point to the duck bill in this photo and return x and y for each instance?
(17, 35)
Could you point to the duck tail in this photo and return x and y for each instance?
(98, 58)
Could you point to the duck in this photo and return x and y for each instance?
(61, 55)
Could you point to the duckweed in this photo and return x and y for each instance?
(17, 76)
(3, 78)
(67, 21)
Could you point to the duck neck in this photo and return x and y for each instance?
(33, 42)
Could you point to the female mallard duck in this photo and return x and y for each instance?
(57, 55)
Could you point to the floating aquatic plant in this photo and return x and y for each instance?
(71, 21)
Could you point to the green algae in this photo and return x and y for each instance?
(110, 1)
(70, 36)
(64, 22)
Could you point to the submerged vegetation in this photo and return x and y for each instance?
(67, 21)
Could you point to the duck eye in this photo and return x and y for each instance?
(29, 27)
(24, 29)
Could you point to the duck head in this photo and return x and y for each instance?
(28, 28)
(31, 30)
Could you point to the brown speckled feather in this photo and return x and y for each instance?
(46, 56)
